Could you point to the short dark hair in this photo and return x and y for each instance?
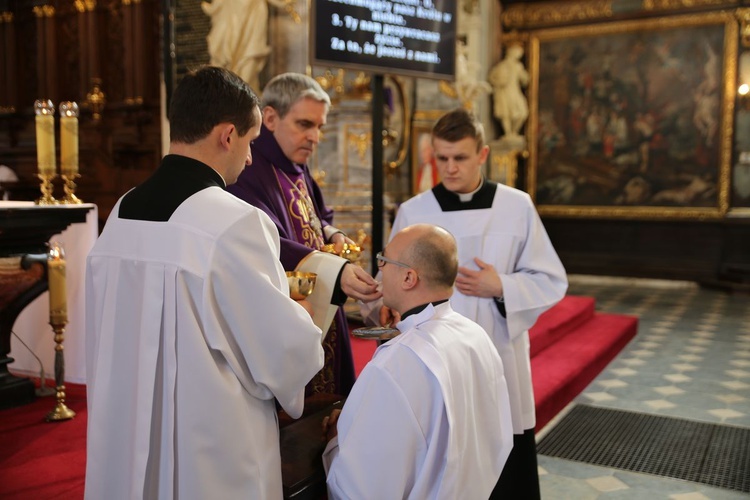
(434, 258)
(207, 97)
(459, 124)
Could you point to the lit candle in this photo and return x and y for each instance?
(69, 138)
(58, 295)
(45, 136)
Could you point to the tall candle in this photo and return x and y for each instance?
(56, 282)
(45, 136)
(68, 138)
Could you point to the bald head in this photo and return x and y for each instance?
(419, 266)
(431, 251)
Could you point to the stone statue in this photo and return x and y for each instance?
(507, 79)
(468, 86)
(238, 39)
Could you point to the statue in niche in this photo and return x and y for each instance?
(238, 39)
(508, 77)
(468, 86)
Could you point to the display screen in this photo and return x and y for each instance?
(407, 37)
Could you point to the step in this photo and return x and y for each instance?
(562, 371)
(567, 315)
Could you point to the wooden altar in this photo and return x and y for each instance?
(25, 229)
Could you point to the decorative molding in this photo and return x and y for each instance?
(743, 16)
(547, 14)
(86, 5)
(662, 5)
(527, 16)
(43, 11)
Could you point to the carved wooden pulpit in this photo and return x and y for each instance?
(25, 229)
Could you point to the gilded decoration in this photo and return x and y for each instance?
(643, 134)
(525, 16)
(548, 14)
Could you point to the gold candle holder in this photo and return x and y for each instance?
(58, 318)
(45, 149)
(69, 187)
(46, 189)
(69, 150)
(61, 411)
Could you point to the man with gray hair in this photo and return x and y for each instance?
(294, 109)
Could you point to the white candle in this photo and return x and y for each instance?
(45, 136)
(56, 282)
(69, 138)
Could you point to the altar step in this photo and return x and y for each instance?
(570, 345)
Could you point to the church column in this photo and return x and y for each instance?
(138, 55)
(8, 67)
(130, 61)
(46, 60)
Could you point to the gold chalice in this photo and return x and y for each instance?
(350, 251)
(300, 284)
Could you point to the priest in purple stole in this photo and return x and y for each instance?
(294, 109)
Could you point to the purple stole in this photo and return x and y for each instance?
(299, 205)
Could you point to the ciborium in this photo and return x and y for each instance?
(301, 284)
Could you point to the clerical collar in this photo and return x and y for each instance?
(480, 198)
(466, 197)
(419, 309)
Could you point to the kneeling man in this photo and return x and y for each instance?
(429, 416)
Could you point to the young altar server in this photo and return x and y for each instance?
(191, 334)
(429, 416)
(509, 272)
(295, 108)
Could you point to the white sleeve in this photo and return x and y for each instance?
(267, 338)
(379, 441)
(538, 281)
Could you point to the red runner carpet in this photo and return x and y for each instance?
(40, 459)
(570, 345)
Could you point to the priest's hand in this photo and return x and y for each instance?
(355, 282)
(388, 316)
(329, 425)
(482, 283)
(307, 306)
(338, 240)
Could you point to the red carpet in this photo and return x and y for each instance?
(40, 459)
(570, 345)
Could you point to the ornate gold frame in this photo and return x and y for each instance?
(727, 86)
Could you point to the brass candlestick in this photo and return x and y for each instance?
(60, 412)
(70, 189)
(46, 188)
(58, 318)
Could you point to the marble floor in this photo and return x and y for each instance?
(690, 359)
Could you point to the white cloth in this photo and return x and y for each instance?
(510, 236)
(190, 336)
(428, 417)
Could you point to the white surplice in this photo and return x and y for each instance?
(509, 236)
(428, 417)
(190, 336)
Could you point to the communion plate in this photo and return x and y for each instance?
(376, 332)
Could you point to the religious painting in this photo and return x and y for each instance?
(633, 119)
(424, 174)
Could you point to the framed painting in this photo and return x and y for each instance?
(424, 174)
(633, 119)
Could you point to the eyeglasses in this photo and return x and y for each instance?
(382, 260)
